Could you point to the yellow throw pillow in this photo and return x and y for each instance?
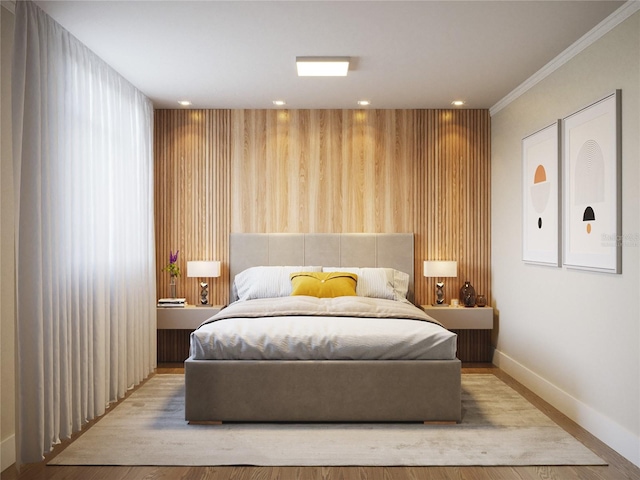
(324, 284)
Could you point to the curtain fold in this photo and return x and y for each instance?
(85, 260)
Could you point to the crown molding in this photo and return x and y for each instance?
(589, 38)
(9, 5)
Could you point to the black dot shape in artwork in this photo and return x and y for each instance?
(540, 222)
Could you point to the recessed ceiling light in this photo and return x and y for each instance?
(322, 66)
(364, 103)
(184, 103)
(457, 103)
(279, 103)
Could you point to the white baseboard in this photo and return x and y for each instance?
(614, 435)
(7, 452)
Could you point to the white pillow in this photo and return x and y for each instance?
(400, 283)
(267, 282)
(378, 282)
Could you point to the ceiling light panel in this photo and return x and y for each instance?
(322, 66)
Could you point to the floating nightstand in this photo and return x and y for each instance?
(174, 326)
(473, 326)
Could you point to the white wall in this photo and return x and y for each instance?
(573, 337)
(7, 284)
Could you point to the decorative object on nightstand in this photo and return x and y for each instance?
(481, 301)
(468, 295)
(172, 302)
(203, 269)
(174, 270)
(440, 269)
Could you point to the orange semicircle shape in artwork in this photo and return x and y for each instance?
(540, 175)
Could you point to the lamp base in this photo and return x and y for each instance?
(204, 294)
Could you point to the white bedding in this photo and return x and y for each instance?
(310, 328)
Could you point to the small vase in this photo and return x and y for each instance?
(481, 301)
(468, 294)
(172, 287)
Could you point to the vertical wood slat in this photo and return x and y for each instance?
(421, 171)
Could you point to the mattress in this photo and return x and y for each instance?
(310, 328)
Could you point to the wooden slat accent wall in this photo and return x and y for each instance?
(453, 195)
(374, 171)
(173, 345)
(192, 210)
(473, 345)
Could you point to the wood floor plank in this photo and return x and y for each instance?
(618, 468)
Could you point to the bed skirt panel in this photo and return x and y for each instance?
(323, 391)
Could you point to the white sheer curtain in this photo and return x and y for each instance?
(85, 234)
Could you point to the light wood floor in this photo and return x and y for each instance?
(618, 467)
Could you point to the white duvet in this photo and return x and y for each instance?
(310, 328)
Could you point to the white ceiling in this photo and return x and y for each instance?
(405, 54)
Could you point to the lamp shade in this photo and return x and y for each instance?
(203, 269)
(440, 268)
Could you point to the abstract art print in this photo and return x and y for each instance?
(592, 186)
(540, 197)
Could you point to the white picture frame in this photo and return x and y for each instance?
(592, 186)
(541, 197)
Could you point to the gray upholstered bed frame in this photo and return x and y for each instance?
(315, 391)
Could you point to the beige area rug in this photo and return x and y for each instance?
(499, 427)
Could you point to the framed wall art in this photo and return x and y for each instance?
(592, 216)
(540, 196)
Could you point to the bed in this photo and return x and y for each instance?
(362, 381)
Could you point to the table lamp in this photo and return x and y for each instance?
(203, 269)
(440, 269)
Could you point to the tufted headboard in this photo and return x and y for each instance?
(391, 250)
